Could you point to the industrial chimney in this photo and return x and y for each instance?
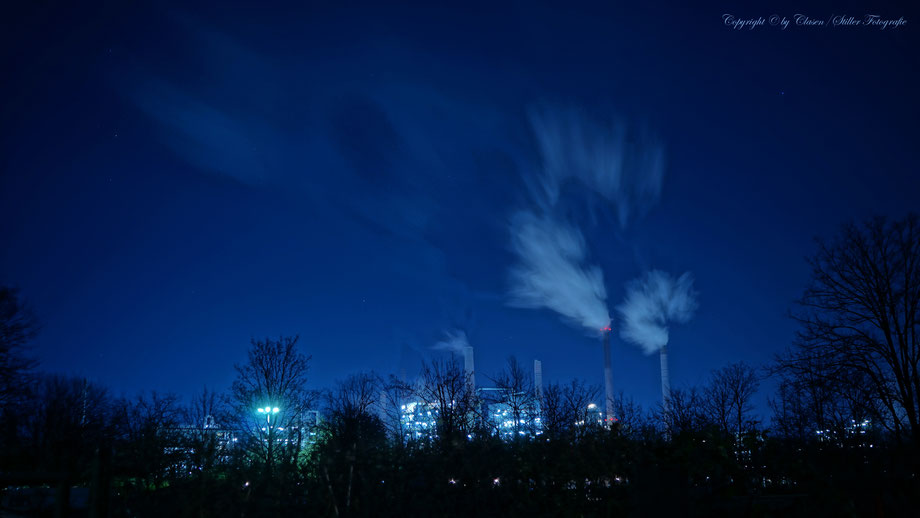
(468, 366)
(665, 379)
(538, 379)
(608, 375)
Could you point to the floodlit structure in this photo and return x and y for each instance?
(419, 420)
(515, 415)
(593, 416)
(853, 431)
(183, 441)
(309, 426)
(507, 414)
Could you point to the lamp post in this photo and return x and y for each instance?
(268, 411)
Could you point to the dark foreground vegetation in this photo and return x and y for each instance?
(842, 440)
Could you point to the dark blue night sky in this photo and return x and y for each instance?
(178, 180)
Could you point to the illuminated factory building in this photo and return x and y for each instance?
(419, 420)
(499, 411)
(526, 422)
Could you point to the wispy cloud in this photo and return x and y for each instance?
(205, 135)
(623, 165)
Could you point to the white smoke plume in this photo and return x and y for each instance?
(652, 303)
(625, 167)
(454, 341)
(551, 271)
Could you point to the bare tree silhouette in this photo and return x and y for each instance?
(860, 319)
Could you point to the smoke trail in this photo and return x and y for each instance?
(625, 167)
(653, 302)
(454, 341)
(551, 272)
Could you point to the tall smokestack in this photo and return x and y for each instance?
(538, 379)
(468, 366)
(383, 407)
(608, 375)
(665, 378)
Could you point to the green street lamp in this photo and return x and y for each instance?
(268, 411)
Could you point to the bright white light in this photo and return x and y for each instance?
(592, 406)
(275, 410)
(261, 410)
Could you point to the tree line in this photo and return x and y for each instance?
(842, 439)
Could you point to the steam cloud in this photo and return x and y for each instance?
(626, 168)
(454, 341)
(653, 302)
(551, 272)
